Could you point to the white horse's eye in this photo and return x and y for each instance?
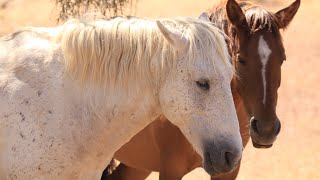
(203, 84)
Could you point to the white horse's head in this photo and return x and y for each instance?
(182, 64)
(196, 94)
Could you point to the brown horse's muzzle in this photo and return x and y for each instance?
(263, 134)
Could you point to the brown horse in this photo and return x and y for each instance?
(257, 54)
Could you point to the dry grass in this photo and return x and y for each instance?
(296, 153)
(75, 8)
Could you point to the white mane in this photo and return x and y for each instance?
(118, 52)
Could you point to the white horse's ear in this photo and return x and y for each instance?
(204, 16)
(174, 37)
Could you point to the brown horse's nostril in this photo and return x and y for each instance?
(254, 125)
(278, 127)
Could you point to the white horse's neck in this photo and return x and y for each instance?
(110, 119)
(87, 125)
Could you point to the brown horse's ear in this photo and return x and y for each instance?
(235, 14)
(285, 15)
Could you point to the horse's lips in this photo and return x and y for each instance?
(260, 146)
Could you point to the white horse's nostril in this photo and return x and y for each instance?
(229, 158)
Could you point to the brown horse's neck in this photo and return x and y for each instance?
(242, 114)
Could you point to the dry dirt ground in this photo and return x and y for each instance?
(296, 153)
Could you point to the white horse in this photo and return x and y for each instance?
(71, 96)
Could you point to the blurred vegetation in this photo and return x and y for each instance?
(75, 8)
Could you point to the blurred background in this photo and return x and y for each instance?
(296, 153)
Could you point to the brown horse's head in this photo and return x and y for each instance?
(258, 54)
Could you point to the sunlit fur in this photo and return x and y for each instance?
(62, 130)
(118, 52)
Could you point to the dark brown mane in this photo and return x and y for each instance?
(257, 17)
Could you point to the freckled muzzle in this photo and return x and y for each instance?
(263, 134)
(221, 159)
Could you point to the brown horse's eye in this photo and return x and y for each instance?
(241, 61)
